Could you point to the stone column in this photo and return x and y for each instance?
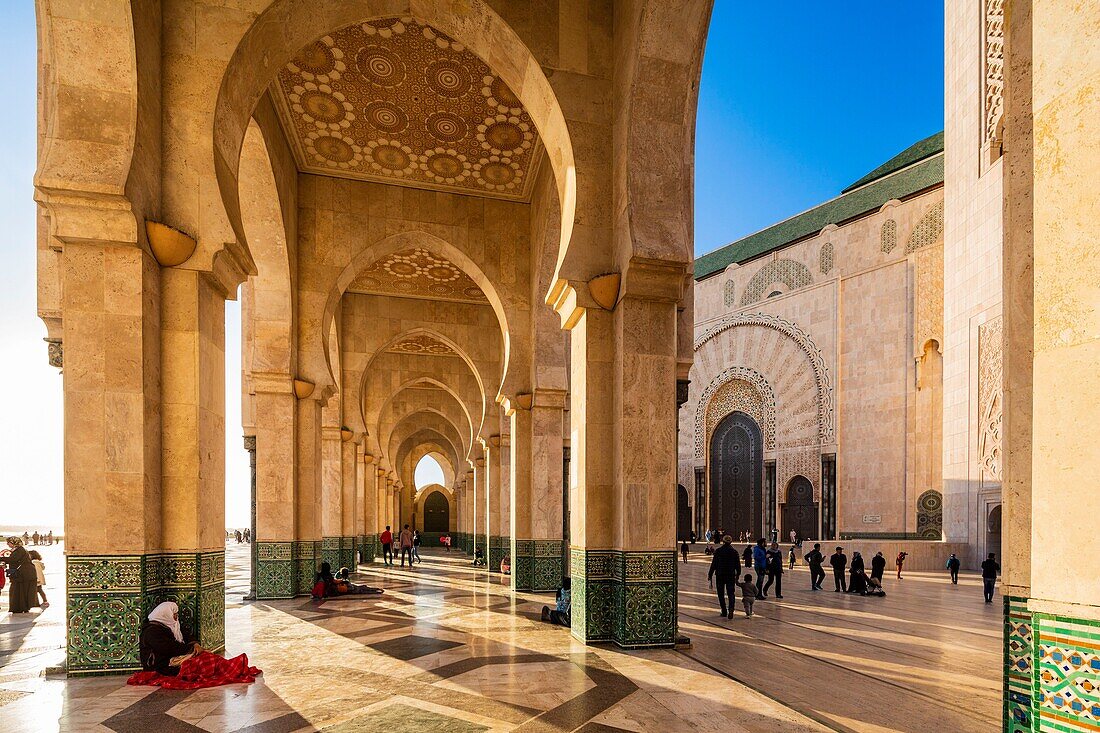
(273, 541)
(250, 446)
(307, 545)
(332, 492)
(382, 514)
(370, 509)
(536, 466)
(112, 447)
(1051, 325)
(192, 563)
(623, 488)
(349, 504)
(497, 513)
(470, 495)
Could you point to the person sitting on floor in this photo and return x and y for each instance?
(324, 584)
(172, 660)
(344, 586)
(479, 556)
(560, 614)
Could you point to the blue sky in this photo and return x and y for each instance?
(797, 101)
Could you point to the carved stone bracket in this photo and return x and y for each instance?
(56, 352)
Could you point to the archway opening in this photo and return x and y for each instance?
(428, 471)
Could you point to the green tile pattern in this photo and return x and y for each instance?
(536, 565)
(1018, 678)
(499, 548)
(275, 570)
(109, 597)
(628, 597)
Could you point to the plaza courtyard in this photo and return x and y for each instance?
(447, 648)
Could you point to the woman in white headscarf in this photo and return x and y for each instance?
(164, 646)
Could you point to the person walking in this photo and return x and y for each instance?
(775, 570)
(746, 557)
(725, 568)
(901, 561)
(953, 566)
(857, 571)
(839, 561)
(386, 540)
(748, 594)
(990, 569)
(815, 560)
(416, 546)
(760, 566)
(405, 540)
(790, 559)
(24, 579)
(40, 577)
(684, 550)
(878, 566)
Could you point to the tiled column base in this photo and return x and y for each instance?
(626, 597)
(275, 574)
(109, 597)
(499, 548)
(368, 548)
(330, 551)
(348, 546)
(1052, 672)
(536, 565)
(308, 556)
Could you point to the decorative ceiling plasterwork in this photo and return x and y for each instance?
(396, 101)
(421, 343)
(417, 273)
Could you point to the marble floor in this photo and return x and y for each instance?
(445, 649)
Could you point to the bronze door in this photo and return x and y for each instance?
(736, 476)
(800, 511)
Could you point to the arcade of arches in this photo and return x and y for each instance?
(463, 229)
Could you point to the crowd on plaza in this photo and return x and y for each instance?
(241, 535)
(408, 541)
(766, 561)
(38, 538)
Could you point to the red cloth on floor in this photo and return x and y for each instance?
(203, 670)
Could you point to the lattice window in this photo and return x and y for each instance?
(826, 257)
(889, 235)
(727, 293)
(928, 230)
(791, 273)
(994, 81)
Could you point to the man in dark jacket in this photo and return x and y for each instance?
(953, 566)
(775, 570)
(815, 560)
(878, 566)
(839, 561)
(990, 569)
(760, 565)
(725, 565)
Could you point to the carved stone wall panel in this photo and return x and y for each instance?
(791, 273)
(990, 397)
(888, 238)
(928, 229)
(825, 258)
(928, 264)
(993, 82)
(789, 464)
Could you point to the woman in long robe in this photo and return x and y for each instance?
(23, 595)
(172, 661)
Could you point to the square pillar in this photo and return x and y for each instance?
(536, 467)
(276, 453)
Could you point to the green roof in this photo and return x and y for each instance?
(853, 204)
(927, 147)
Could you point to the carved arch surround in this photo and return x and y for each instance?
(826, 406)
(756, 381)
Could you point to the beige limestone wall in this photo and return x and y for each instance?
(973, 236)
(835, 346)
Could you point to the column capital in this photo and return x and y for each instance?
(250, 443)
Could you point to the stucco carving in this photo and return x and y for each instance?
(728, 292)
(826, 399)
(737, 388)
(826, 258)
(990, 397)
(889, 236)
(806, 463)
(791, 273)
(928, 230)
(994, 69)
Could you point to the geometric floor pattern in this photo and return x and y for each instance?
(445, 649)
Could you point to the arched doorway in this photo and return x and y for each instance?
(437, 514)
(736, 476)
(683, 514)
(800, 510)
(993, 531)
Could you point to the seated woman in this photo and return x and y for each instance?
(857, 583)
(560, 614)
(172, 660)
(324, 584)
(344, 587)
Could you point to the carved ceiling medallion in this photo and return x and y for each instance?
(421, 344)
(417, 273)
(396, 101)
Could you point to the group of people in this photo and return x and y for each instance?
(766, 561)
(408, 541)
(25, 574)
(242, 535)
(38, 538)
